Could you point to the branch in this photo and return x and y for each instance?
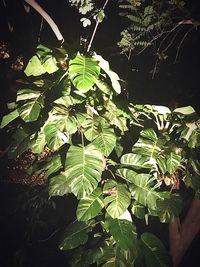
(181, 235)
(49, 20)
(95, 28)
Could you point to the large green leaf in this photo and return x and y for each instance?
(75, 235)
(84, 72)
(39, 142)
(83, 169)
(118, 198)
(123, 232)
(105, 141)
(90, 206)
(142, 188)
(154, 251)
(9, 117)
(32, 102)
(136, 161)
(54, 137)
(148, 144)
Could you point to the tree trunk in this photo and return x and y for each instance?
(182, 234)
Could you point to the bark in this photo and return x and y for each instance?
(182, 234)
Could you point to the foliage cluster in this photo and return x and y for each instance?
(71, 105)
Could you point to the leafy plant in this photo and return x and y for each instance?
(75, 113)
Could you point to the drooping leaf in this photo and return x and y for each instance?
(111, 74)
(154, 251)
(90, 206)
(32, 102)
(9, 117)
(84, 167)
(76, 234)
(105, 141)
(118, 198)
(84, 72)
(123, 232)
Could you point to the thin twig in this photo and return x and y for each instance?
(181, 42)
(40, 30)
(49, 20)
(95, 29)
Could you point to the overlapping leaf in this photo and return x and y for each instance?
(90, 206)
(84, 72)
(118, 198)
(83, 169)
(32, 103)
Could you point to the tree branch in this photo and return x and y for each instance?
(49, 20)
(181, 235)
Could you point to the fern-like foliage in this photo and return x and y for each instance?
(150, 24)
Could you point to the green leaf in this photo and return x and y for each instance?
(91, 125)
(123, 232)
(34, 67)
(20, 143)
(185, 110)
(84, 72)
(90, 206)
(50, 65)
(9, 117)
(105, 141)
(154, 251)
(169, 207)
(138, 210)
(54, 137)
(118, 198)
(112, 75)
(142, 190)
(136, 161)
(58, 185)
(32, 103)
(38, 143)
(75, 235)
(173, 162)
(83, 169)
(148, 144)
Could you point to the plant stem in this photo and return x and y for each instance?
(95, 29)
